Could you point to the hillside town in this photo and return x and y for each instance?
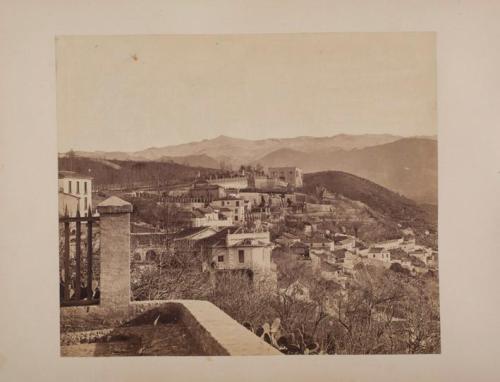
(243, 233)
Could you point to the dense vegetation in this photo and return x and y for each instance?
(380, 311)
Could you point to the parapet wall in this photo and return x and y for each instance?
(216, 332)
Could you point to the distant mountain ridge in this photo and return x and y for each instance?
(404, 165)
(242, 151)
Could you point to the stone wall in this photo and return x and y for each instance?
(213, 330)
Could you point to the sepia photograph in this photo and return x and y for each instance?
(259, 194)
(275, 191)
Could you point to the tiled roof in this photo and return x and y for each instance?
(219, 238)
(251, 243)
(189, 232)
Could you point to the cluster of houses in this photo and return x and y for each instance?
(227, 222)
(335, 256)
(220, 203)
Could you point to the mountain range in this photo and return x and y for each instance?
(405, 165)
(239, 151)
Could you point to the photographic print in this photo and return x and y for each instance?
(267, 194)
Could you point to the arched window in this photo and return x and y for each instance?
(150, 255)
(137, 256)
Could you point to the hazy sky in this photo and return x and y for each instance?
(133, 92)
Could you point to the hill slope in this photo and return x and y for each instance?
(382, 201)
(193, 161)
(408, 166)
(107, 172)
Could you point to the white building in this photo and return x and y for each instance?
(78, 185)
(391, 244)
(233, 208)
(208, 217)
(232, 249)
(68, 204)
(378, 254)
(290, 175)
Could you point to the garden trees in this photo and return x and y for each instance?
(175, 275)
(243, 300)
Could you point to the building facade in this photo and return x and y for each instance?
(77, 185)
(68, 204)
(233, 208)
(290, 175)
(207, 191)
(234, 250)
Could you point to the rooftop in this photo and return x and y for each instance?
(340, 253)
(318, 240)
(342, 238)
(70, 195)
(376, 250)
(187, 232)
(219, 238)
(206, 186)
(418, 251)
(72, 174)
(251, 243)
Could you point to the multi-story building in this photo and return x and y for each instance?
(233, 208)
(78, 185)
(378, 256)
(391, 244)
(231, 249)
(290, 175)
